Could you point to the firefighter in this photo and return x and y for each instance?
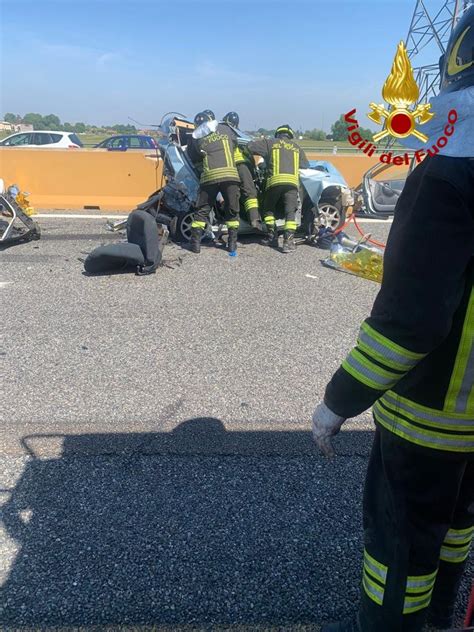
(246, 168)
(414, 360)
(212, 145)
(283, 159)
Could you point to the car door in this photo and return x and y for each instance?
(17, 140)
(117, 144)
(381, 188)
(41, 138)
(135, 142)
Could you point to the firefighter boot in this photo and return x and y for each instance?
(195, 243)
(289, 241)
(271, 238)
(232, 241)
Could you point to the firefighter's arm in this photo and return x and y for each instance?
(193, 152)
(258, 147)
(304, 164)
(427, 256)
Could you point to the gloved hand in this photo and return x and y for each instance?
(326, 424)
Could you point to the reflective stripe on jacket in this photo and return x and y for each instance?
(414, 357)
(284, 158)
(216, 152)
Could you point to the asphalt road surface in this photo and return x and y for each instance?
(156, 466)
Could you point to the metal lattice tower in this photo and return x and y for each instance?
(427, 37)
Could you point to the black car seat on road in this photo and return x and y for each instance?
(142, 253)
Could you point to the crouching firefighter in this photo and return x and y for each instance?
(212, 145)
(283, 159)
(414, 360)
(246, 168)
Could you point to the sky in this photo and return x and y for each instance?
(302, 62)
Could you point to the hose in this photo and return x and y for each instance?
(352, 218)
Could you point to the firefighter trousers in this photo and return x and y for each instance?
(248, 191)
(418, 526)
(275, 197)
(207, 199)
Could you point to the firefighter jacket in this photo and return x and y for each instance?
(415, 353)
(216, 153)
(241, 153)
(284, 158)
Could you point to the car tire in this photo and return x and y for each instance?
(331, 214)
(183, 227)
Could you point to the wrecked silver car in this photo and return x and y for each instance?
(324, 195)
(16, 225)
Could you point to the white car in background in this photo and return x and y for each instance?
(48, 139)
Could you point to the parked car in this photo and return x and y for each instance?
(123, 142)
(323, 198)
(48, 139)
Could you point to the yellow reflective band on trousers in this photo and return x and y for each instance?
(456, 545)
(232, 223)
(419, 589)
(290, 225)
(374, 577)
(427, 427)
(250, 203)
(269, 219)
(198, 224)
(460, 395)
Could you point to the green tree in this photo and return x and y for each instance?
(365, 132)
(32, 118)
(68, 127)
(266, 132)
(315, 134)
(79, 127)
(51, 121)
(12, 118)
(339, 129)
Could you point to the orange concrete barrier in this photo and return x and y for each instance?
(351, 166)
(111, 181)
(82, 178)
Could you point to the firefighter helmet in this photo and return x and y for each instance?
(211, 114)
(284, 130)
(457, 64)
(200, 118)
(232, 119)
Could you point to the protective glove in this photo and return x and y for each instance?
(326, 424)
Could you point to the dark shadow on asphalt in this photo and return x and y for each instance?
(198, 526)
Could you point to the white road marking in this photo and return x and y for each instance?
(4, 283)
(310, 276)
(361, 220)
(104, 216)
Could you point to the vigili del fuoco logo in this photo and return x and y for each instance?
(401, 92)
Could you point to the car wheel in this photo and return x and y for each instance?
(331, 214)
(183, 226)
